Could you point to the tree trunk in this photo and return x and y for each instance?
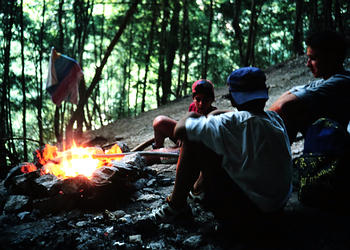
(181, 52)
(187, 46)
(60, 47)
(206, 55)
(162, 48)
(82, 18)
(250, 43)
(327, 14)
(40, 90)
(138, 83)
(172, 46)
(98, 73)
(313, 16)
(129, 65)
(155, 15)
(122, 91)
(298, 29)
(7, 21)
(338, 18)
(238, 30)
(24, 102)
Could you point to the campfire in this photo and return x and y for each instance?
(74, 161)
(77, 177)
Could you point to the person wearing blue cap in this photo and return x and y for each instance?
(244, 156)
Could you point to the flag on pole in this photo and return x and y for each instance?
(64, 75)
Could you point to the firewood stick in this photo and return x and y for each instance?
(143, 145)
(142, 153)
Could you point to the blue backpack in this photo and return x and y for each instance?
(323, 169)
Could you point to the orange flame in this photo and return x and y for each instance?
(27, 168)
(75, 161)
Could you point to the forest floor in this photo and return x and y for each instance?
(301, 227)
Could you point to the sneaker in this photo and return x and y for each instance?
(196, 198)
(168, 214)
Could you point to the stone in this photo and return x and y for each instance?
(135, 238)
(193, 241)
(16, 203)
(46, 185)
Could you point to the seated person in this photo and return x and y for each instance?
(203, 97)
(163, 126)
(244, 156)
(323, 98)
(318, 111)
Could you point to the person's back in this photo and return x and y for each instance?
(244, 156)
(251, 141)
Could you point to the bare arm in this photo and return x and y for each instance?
(293, 112)
(180, 128)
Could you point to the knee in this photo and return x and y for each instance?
(159, 121)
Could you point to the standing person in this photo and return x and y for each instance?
(244, 156)
(326, 97)
(317, 110)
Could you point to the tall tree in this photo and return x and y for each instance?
(155, 14)
(162, 47)
(206, 54)
(255, 11)
(24, 102)
(327, 14)
(58, 126)
(237, 28)
(298, 29)
(172, 46)
(40, 83)
(313, 15)
(187, 45)
(8, 7)
(82, 13)
(338, 17)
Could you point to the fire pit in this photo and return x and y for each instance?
(80, 177)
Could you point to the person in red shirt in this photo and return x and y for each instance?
(203, 97)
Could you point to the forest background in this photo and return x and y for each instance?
(136, 56)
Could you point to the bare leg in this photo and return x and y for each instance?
(163, 127)
(195, 160)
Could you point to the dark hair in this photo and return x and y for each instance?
(328, 41)
(206, 89)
